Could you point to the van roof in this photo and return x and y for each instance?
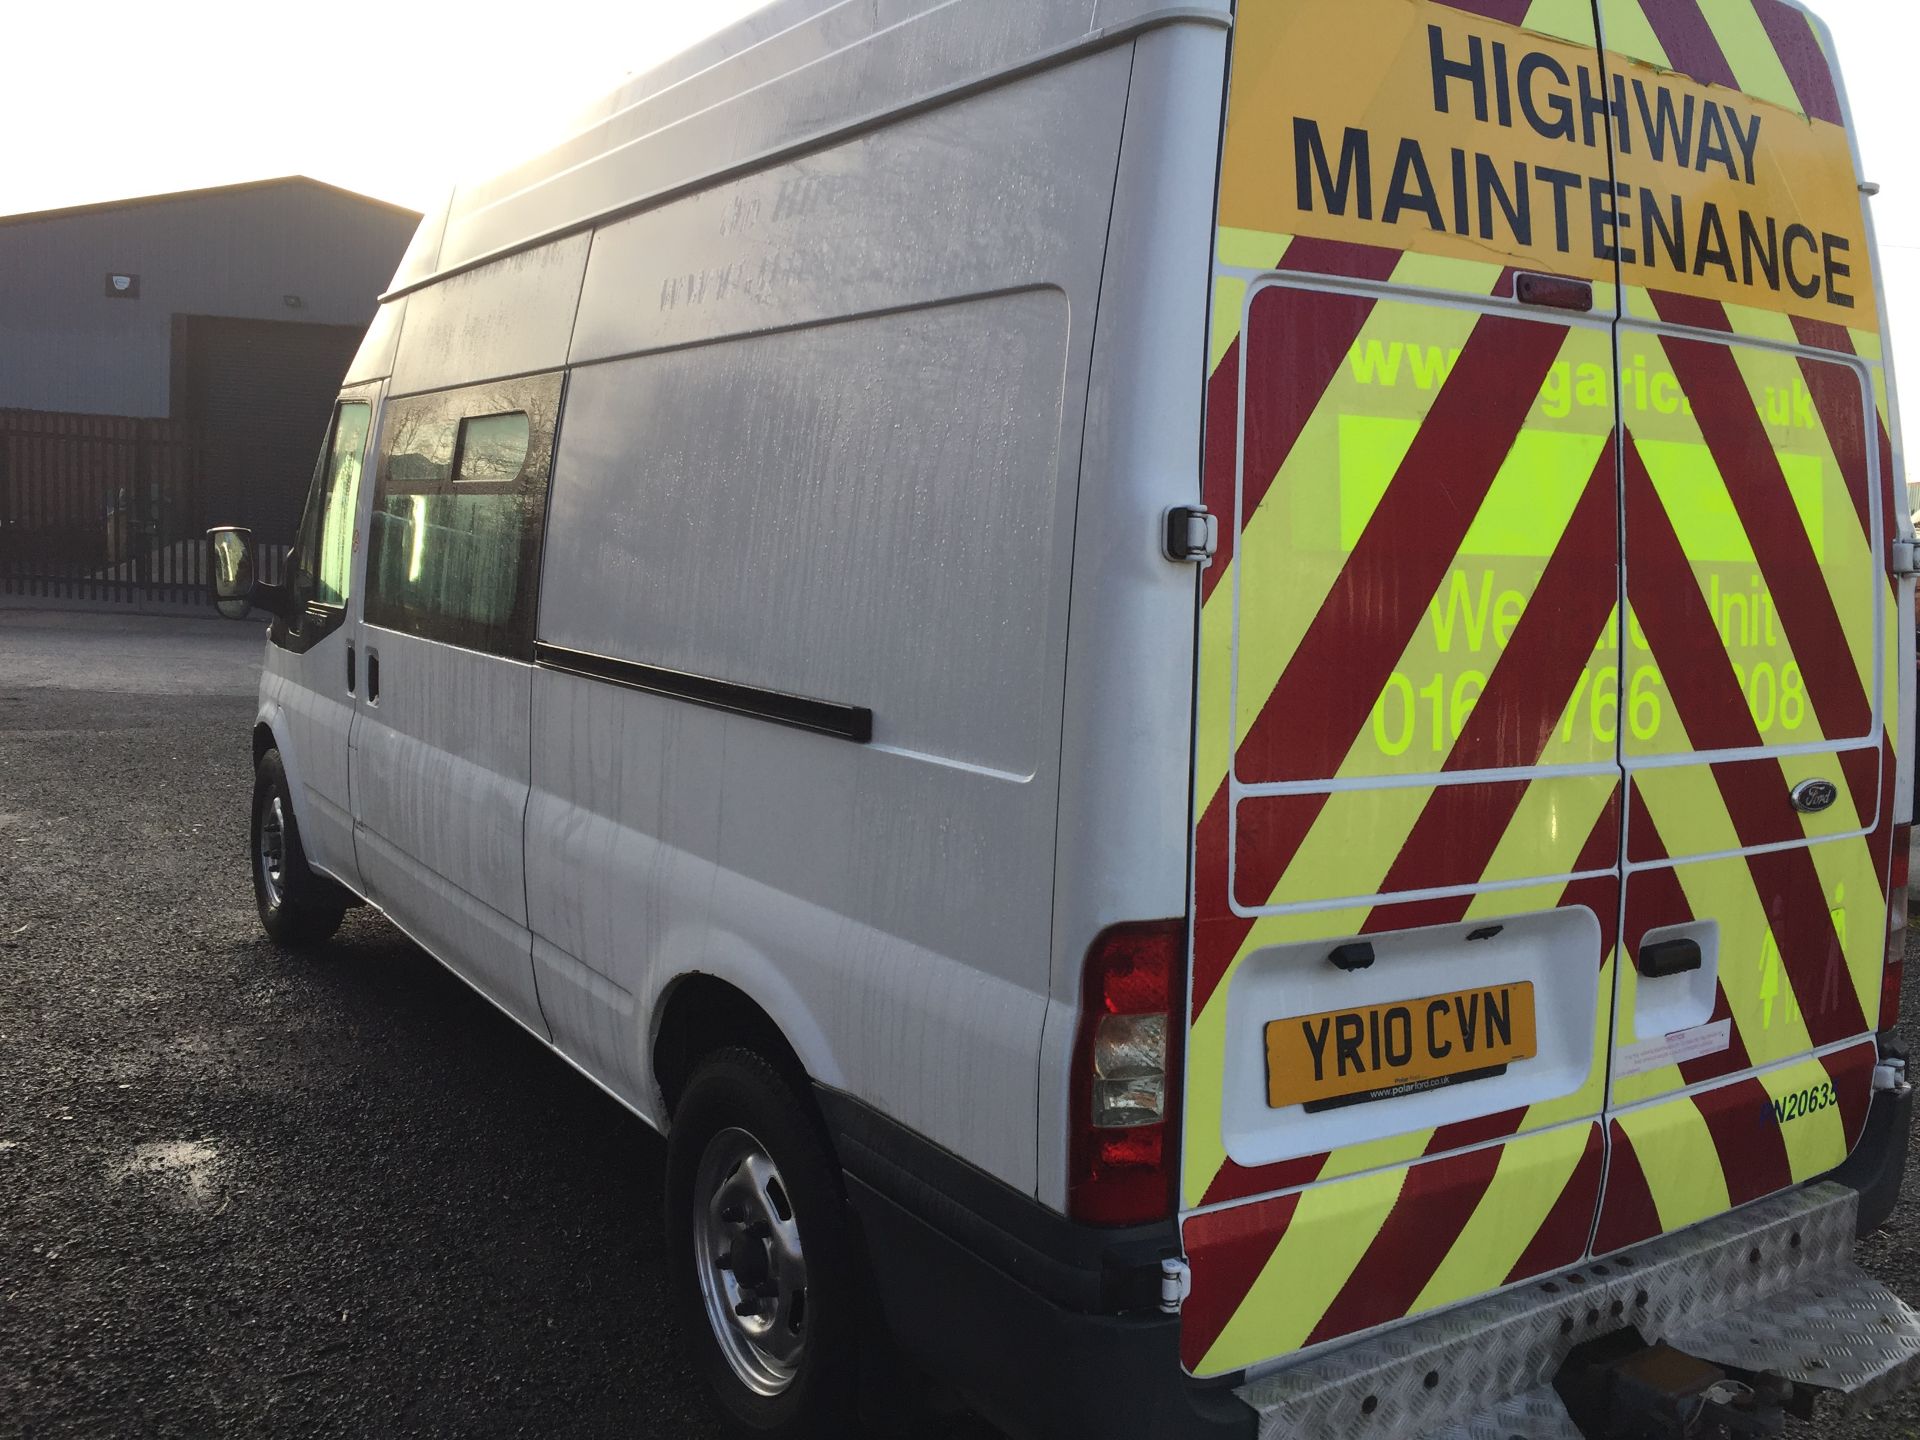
(791, 75)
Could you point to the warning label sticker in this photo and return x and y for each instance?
(1674, 1049)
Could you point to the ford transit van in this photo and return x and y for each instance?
(1212, 702)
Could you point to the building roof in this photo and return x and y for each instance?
(175, 196)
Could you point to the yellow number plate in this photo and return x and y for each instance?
(1400, 1047)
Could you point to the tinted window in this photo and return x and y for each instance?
(455, 545)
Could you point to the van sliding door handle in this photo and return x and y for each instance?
(373, 677)
(1669, 957)
(352, 674)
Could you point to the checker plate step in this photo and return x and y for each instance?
(1770, 1287)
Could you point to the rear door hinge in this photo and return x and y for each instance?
(1192, 534)
(1176, 1284)
(1904, 559)
(1890, 1075)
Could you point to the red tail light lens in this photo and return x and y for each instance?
(1125, 1091)
(1895, 973)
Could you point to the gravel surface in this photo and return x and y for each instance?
(250, 1194)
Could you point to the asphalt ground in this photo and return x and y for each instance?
(246, 1193)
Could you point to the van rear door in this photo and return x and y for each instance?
(1408, 797)
(1761, 689)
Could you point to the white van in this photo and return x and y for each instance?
(1213, 703)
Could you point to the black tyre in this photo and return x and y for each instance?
(761, 1252)
(297, 907)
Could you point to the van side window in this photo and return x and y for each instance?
(323, 560)
(455, 545)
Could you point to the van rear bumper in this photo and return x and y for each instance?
(1051, 1330)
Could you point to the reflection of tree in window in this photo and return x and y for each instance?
(493, 447)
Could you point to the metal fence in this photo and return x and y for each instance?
(107, 509)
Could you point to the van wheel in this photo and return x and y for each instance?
(761, 1252)
(297, 907)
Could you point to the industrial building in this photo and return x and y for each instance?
(170, 360)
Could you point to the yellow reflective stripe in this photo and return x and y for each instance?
(1229, 303)
(1550, 825)
(1329, 1236)
(1678, 1157)
(1817, 1139)
(1750, 51)
(1851, 882)
(1640, 305)
(1250, 249)
(1526, 1186)
(1626, 32)
(1419, 271)
(1762, 324)
(1377, 1154)
(1565, 19)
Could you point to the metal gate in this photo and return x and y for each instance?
(106, 510)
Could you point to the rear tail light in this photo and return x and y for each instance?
(1125, 1091)
(1892, 976)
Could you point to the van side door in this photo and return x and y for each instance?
(442, 753)
(312, 664)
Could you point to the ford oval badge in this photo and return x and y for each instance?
(1810, 797)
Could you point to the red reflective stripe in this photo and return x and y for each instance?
(1450, 844)
(1236, 1182)
(1691, 48)
(1330, 685)
(1435, 1203)
(1263, 859)
(1747, 1138)
(1802, 58)
(1340, 258)
(1842, 408)
(1513, 720)
(1627, 1213)
(1851, 1072)
(1510, 11)
(1562, 1238)
(1480, 1130)
(1701, 314)
(1228, 1250)
(1737, 437)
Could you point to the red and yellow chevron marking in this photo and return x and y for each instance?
(1767, 49)
(1317, 1264)
(1417, 683)
(1688, 1158)
(1458, 523)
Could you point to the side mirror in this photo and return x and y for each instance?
(233, 583)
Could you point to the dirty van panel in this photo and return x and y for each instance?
(1762, 698)
(1408, 796)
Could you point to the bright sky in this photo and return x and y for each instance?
(110, 98)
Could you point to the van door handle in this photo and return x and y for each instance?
(373, 677)
(1669, 957)
(352, 674)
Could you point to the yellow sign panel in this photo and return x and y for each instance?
(1411, 125)
(1401, 1047)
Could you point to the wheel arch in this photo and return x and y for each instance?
(270, 733)
(699, 1012)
